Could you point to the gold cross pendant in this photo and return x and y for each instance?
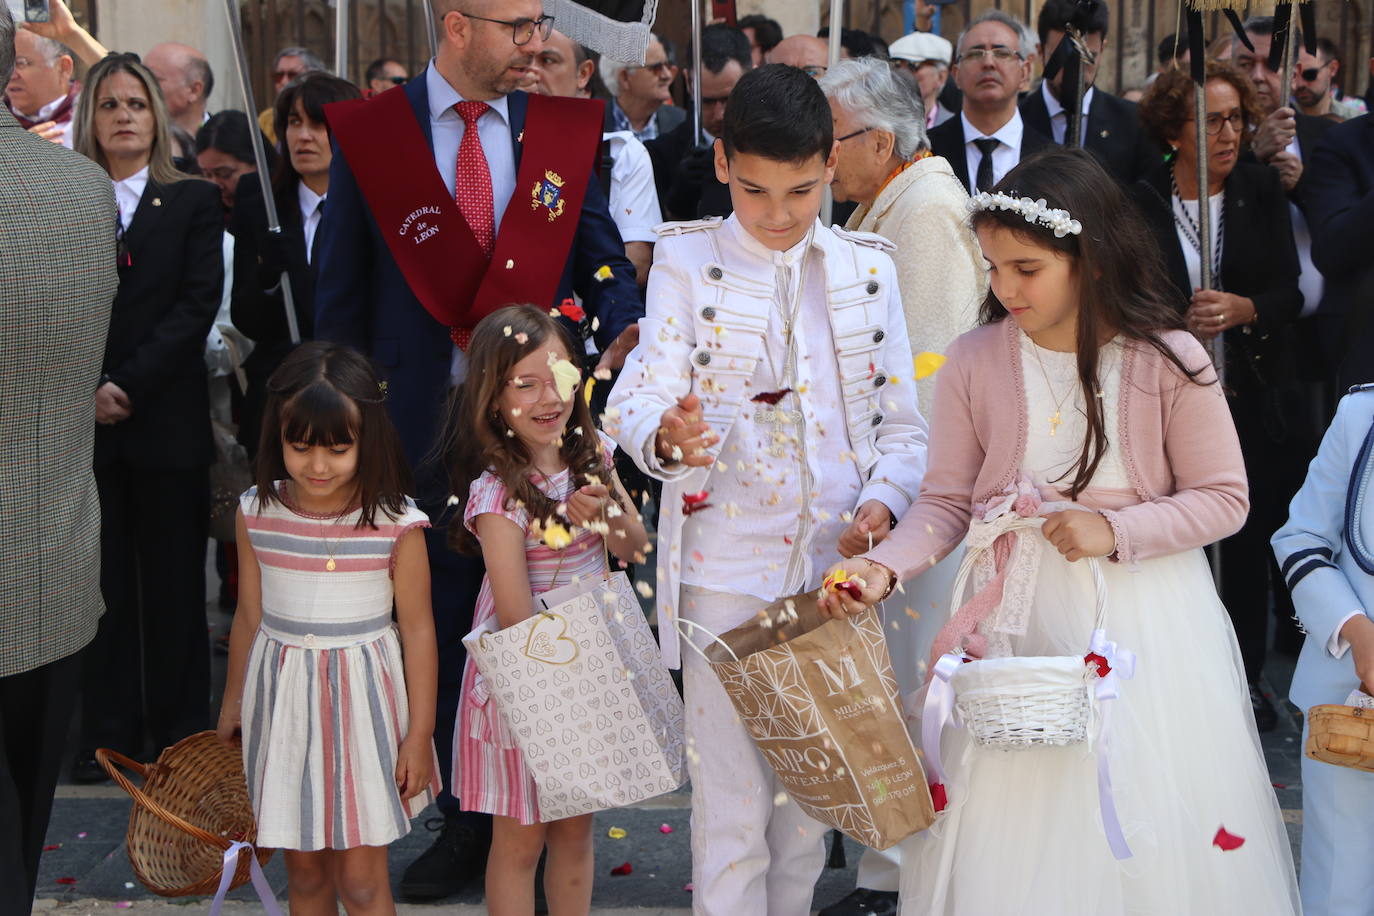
(1055, 422)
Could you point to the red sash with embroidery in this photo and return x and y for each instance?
(434, 248)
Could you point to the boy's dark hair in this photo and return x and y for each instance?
(767, 32)
(314, 90)
(1123, 285)
(328, 394)
(778, 112)
(377, 69)
(227, 131)
(858, 43)
(721, 44)
(1328, 50)
(1091, 17)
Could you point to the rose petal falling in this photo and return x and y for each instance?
(622, 870)
(616, 833)
(695, 502)
(927, 363)
(556, 537)
(571, 310)
(664, 828)
(566, 378)
(1226, 841)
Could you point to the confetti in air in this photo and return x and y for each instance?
(566, 378)
(927, 364)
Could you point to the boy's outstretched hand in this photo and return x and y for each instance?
(871, 579)
(683, 435)
(414, 766)
(870, 526)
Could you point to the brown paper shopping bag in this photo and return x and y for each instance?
(820, 700)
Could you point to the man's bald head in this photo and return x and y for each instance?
(806, 52)
(186, 80)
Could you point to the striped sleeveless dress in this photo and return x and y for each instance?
(489, 773)
(324, 698)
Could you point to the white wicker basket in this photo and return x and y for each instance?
(1039, 701)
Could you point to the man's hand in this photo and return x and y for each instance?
(1275, 133)
(111, 404)
(1290, 169)
(871, 525)
(614, 357)
(60, 25)
(684, 436)
(48, 130)
(1077, 534)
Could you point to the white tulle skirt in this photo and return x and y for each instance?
(1023, 834)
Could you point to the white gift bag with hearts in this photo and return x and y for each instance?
(584, 693)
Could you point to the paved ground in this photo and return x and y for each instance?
(86, 869)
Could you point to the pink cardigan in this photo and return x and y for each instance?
(1176, 437)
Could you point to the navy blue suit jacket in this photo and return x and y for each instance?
(362, 299)
(1338, 199)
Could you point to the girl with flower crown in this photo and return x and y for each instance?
(1082, 405)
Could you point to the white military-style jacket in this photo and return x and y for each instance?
(1326, 551)
(709, 302)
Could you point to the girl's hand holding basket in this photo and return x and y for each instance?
(1077, 534)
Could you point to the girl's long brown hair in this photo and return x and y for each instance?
(328, 394)
(1123, 286)
(475, 436)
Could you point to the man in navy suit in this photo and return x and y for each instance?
(487, 51)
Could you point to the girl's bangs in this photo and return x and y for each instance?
(320, 415)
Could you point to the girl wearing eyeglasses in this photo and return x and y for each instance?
(1250, 310)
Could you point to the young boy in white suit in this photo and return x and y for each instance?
(772, 393)
(1326, 552)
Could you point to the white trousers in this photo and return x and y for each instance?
(751, 856)
(1337, 840)
(908, 643)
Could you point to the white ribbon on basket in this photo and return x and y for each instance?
(226, 878)
(1120, 664)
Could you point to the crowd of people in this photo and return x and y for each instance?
(375, 493)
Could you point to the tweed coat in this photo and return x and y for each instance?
(57, 281)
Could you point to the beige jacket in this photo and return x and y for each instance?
(940, 269)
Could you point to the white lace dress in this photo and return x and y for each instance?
(1022, 833)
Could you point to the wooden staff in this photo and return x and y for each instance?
(260, 157)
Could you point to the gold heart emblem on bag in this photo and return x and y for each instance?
(549, 643)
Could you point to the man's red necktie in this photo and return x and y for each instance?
(472, 190)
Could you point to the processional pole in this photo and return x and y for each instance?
(231, 8)
(832, 58)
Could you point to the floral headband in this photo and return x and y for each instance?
(1034, 211)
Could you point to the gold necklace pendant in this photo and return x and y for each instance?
(330, 565)
(1055, 422)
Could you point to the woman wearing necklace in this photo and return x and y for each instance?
(1251, 309)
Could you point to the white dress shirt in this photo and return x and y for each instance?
(65, 130)
(766, 490)
(1059, 117)
(1310, 280)
(1187, 212)
(493, 129)
(633, 198)
(1004, 158)
(128, 193)
(311, 205)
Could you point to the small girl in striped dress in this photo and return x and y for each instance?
(335, 715)
(536, 483)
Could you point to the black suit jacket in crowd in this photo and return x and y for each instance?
(948, 140)
(168, 298)
(1258, 260)
(1338, 200)
(1311, 130)
(1114, 133)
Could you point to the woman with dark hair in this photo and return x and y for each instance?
(224, 152)
(1251, 310)
(152, 440)
(1082, 444)
(300, 184)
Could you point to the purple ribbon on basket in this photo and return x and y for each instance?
(1121, 664)
(226, 878)
(938, 708)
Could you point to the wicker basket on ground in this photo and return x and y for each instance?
(192, 807)
(1342, 735)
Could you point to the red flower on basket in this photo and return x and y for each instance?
(1092, 659)
(571, 310)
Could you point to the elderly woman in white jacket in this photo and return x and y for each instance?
(912, 198)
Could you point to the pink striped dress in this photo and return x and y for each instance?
(488, 772)
(324, 698)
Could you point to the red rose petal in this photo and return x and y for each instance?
(770, 397)
(1227, 841)
(621, 870)
(938, 796)
(1103, 669)
(851, 588)
(51, 846)
(68, 881)
(695, 502)
(571, 310)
